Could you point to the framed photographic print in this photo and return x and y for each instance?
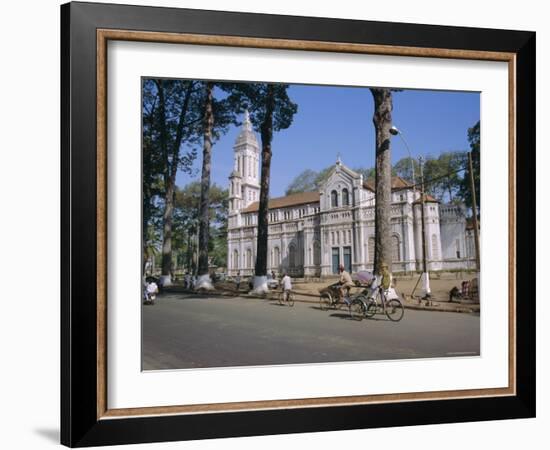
(277, 224)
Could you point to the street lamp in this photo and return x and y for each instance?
(425, 273)
(425, 277)
(396, 131)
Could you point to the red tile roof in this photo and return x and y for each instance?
(300, 198)
(428, 198)
(396, 184)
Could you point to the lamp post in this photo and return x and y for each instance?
(396, 131)
(425, 273)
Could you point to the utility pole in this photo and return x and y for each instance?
(425, 275)
(474, 210)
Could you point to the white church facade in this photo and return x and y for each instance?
(311, 233)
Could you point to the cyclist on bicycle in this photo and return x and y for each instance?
(286, 284)
(345, 284)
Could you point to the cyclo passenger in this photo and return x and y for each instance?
(382, 281)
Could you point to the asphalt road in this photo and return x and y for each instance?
(184, 331)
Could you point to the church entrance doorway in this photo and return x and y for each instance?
(347, 259)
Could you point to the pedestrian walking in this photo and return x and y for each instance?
(238, 280)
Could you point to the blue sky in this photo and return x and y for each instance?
(332, 120)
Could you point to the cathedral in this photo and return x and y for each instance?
(312, 233)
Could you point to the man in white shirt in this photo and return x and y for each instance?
(286, 282)
(151, 291)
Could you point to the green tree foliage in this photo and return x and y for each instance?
(186, 224)
(310, 180)
(451, 165)
(367, 172)
(304, 182)
(404, 169)
(169, 120)
(475, 148)
(444, 175)
(322, 175)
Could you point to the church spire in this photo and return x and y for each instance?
(247, 125)
(246, 136)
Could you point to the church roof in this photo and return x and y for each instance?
(300, 198)
(397, 183)
(428, 198)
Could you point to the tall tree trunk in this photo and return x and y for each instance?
(148, 119)
(144, 236)
(171, 162)
(189, 252)
(204, 212)
(166, 259)
(260, 269)
(382, 123)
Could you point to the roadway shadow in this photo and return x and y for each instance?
(342, 315)
(381, 318)
(316, 308)
(345, 315)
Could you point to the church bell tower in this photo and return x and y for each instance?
(244, 180)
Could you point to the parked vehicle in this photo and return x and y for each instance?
(220, 276)
(272, 283)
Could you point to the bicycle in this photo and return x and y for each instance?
(392, 308)
(357, 308)
(289, 300)
(329, 297)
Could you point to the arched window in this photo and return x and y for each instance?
(316, 253)
(235, 259)
(248, 258)
(334, 199)
(292, 256)
(435, 248)
(276, 257)
(371, 249)
(345, 197)
(395, 253)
